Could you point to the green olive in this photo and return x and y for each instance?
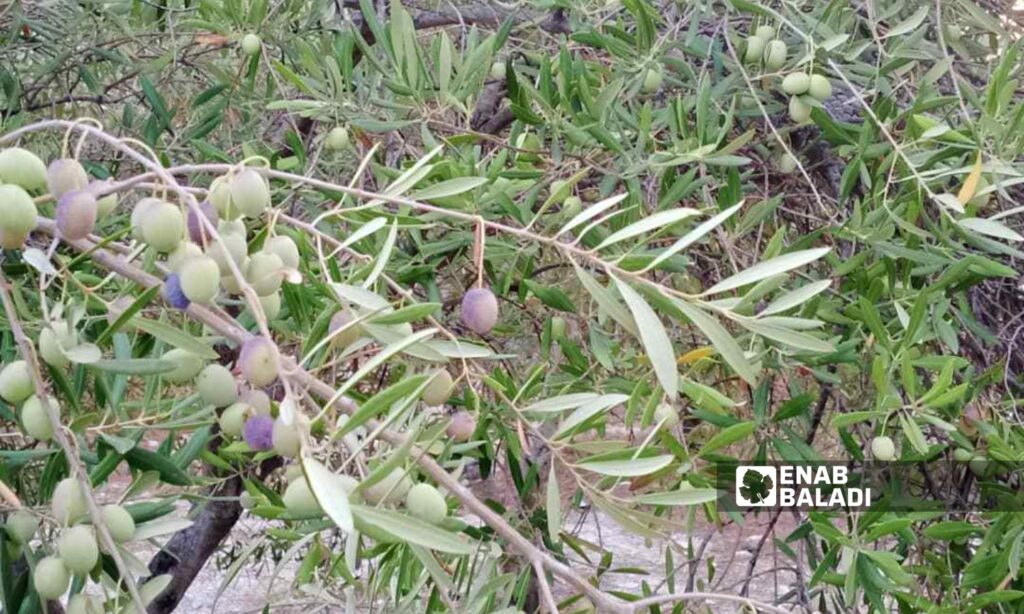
(775, 53)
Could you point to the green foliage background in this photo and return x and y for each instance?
(782, 315)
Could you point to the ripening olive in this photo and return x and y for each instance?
(258, 400)
(197, 228)
(173, 293)
(480, 310)
(462, 426)
(349, 334)
(64, 175)
(258, 432)
(260, 361)
(76, 214)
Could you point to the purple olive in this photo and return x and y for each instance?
(462, 426)
(173, 293)
(76, 214)
(259, 361)
(196, 229)
(259, 432)
(480, 310)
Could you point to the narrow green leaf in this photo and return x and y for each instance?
(628, 468)
(412, 530)
(728, 436)
(175, 336)
(655, 339)
(329, 493)
(720, 339)
(768, 268)
(686, 495)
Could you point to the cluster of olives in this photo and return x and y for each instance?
(884, 449)
(798, 86)
(201, 246)
(763, 46)
(422, 500)
(80, 203)
(200, 268)
(77, 552)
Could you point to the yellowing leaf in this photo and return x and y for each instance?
(694, 355)
(971, 184)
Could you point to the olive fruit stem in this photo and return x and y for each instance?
(479, 240)
(8, 495)
(74, 462)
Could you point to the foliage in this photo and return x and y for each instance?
(792, 271)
